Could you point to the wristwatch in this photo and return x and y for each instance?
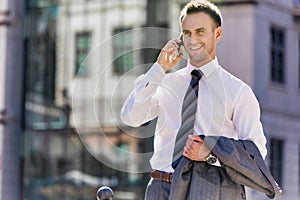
(211, 159)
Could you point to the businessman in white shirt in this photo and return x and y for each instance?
(225, 105)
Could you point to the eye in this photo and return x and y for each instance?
(187, 33)
(200, 31)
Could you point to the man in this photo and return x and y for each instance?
(225, 106)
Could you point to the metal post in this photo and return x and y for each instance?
(11, 73)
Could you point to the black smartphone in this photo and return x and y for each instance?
(180, 45)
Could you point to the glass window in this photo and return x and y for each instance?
(40, 52)
(122, 51)
(276, 159)
(57, 166)
(82, 49)
(277, 55)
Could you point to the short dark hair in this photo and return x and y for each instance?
(196, 6)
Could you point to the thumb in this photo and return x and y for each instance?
(179, 57)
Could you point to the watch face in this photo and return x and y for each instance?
(211, 160)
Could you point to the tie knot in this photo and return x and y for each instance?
(196, 74)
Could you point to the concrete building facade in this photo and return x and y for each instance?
(263, 41)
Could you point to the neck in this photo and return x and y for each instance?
(200, 64)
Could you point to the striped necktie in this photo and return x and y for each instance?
(188, 113)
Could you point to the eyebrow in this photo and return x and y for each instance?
(200, 29)
(197, 30)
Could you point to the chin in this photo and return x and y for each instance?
(198, 60)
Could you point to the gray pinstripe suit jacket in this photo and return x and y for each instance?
(242, 165)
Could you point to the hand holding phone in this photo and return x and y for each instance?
(171, 53)
(179, 49)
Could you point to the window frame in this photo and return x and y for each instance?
(277, 55)
(276, 159)
(122, 54)
(83, 51)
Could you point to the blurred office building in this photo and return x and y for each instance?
(66, 67)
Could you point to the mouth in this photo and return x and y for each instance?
(195, 48)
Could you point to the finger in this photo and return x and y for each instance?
(174, 44)
(169, 50)
(195, 138)
(189, 142)
(177, 40)
(171, 44)
(178, 57)
(194, 148)
(185, 154)
(185, 151)
(174, 57)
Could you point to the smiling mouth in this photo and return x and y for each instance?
(195, 48)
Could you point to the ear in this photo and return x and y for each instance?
(218, 33)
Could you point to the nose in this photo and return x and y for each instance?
(191, 39)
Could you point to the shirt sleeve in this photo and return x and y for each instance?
(246, 119)
(141, 105)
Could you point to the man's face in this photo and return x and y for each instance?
(200, 38)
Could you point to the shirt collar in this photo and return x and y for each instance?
(206, 69)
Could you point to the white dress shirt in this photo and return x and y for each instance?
(226, 107)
